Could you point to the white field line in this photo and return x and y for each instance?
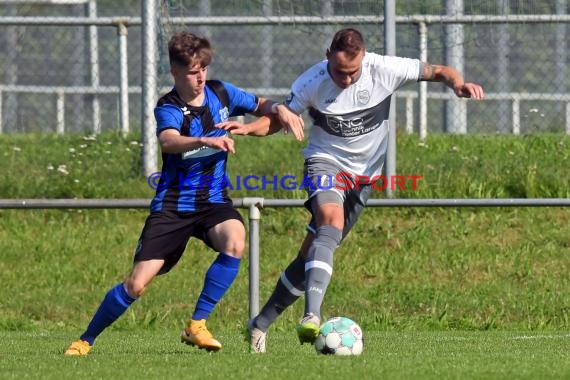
(541, 337)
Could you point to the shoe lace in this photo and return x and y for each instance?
(259, 346)
(259, 338)
(79, 346)
(310, 318)
(200, 329)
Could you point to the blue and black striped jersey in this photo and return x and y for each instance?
(197, 178)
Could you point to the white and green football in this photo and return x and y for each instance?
(340, 336)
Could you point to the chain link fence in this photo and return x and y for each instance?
(64, 77)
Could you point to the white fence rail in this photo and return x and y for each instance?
(123, 93)
(123, 90)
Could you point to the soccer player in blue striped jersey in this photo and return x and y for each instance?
(191, 197)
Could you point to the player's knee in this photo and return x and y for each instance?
(235, 248)
(134, 288)
(329, 235)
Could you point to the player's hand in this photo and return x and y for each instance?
(470, 90)
(223, 143)
(234, 127)
(291, 122)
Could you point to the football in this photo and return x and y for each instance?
(340, 336)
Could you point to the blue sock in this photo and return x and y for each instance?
(113, 306)
(218, 280)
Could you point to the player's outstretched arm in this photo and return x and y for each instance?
(171, 141)
(453, 79)
(262, 126)
(289, 120)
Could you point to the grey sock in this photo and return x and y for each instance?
(289, 287)
(319, 266)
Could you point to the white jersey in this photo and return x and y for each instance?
(351, 124)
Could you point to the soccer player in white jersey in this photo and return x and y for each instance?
(348, 96)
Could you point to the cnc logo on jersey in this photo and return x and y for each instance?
(343, 127)
(185, 110)
(330, 101)
(363, 97)
(224, 114)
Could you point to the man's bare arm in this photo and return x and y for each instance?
(452, 79)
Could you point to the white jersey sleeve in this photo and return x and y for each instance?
(394, 72)
(302, 94)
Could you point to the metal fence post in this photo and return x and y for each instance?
(94, 60)
(149, 87)
(267, 48)
(422, 96)
(124, 78)
(455, 108)
(254, 205)
(503, 67)
(60, 113)
(390, 49)
(10, 72)
(561, 57)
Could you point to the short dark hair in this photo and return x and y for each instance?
(186, 49)
(349, 41)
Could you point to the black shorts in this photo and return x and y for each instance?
(166, 234)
